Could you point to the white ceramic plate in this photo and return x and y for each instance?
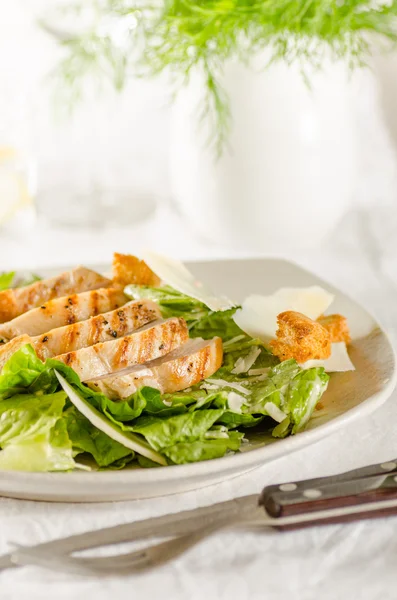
(349, 396)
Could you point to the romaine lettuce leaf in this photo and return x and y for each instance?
(26, 415)
(219, 324)
(303, 393)
(273, 387)
(179, 425)
(292, 390)
(116, 411)
(25, 373)
(104, 424)
(6, 280)
(172, 303)
(187, 427)
(202, 322)
(233, 419)
(33, 436)
(207, 449)
(10, 280)
(87, 438)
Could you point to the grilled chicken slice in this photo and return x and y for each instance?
(63, 311)
(147, 343)
(17, 301)
(185, 366)
(101, 328)
(130, 269)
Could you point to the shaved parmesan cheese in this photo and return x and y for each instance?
(230, 384)
(258, 377)
(258, 315)
(238, 338)
(216, 435)
(244, 363)
(127, 439)
(263, 371)
(338, 361)
(174, 273)
(275, 412)
(208, 386)
(235, 402)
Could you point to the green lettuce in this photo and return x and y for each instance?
(292, 390)
(24, 376)
(33, 435)
(118, 412)
(87, 438)
(9, 280)
(171, 302)
(220, 324)
(202, 322)
(187, 427)
(303, 393)
(6, 280)
(190, 437)
(207, 449)
(25, 373)
(195, 424)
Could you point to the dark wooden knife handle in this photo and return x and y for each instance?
(333, 495)
(346, 518)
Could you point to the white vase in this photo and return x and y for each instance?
(291, 168)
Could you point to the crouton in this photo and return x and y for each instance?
(129, 269)
(337, 327)
(300, 338)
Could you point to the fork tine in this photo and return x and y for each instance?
(134, 562)
(164, 552)
(75, 566)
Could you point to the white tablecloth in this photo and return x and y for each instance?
(350, 561)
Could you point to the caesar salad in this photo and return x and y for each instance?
(146, 367)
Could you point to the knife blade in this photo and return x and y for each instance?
(370, 490)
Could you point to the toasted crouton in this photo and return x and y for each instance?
(301, 338)
(337, 327)
(129, 269)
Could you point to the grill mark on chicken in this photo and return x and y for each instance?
(63, 311)
(69, 337)
(133, 349)
(95, 305)
(98, 329)
(121, 358)
(189, 364)
(17, 301)
(70, 358)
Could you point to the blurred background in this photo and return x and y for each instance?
(301, 162)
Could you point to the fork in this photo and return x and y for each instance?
(364, 493)
(122, 564)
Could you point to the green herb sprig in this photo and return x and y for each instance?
(182, 37)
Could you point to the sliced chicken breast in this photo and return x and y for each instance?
(101, 328)
(7, 350)
(63, 311)
(17, 301)
(185, 366)
(151, 341)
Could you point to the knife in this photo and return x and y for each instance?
(368, 492)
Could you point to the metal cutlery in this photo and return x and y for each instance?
(362, 493)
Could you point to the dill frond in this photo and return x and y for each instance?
(183, 36)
